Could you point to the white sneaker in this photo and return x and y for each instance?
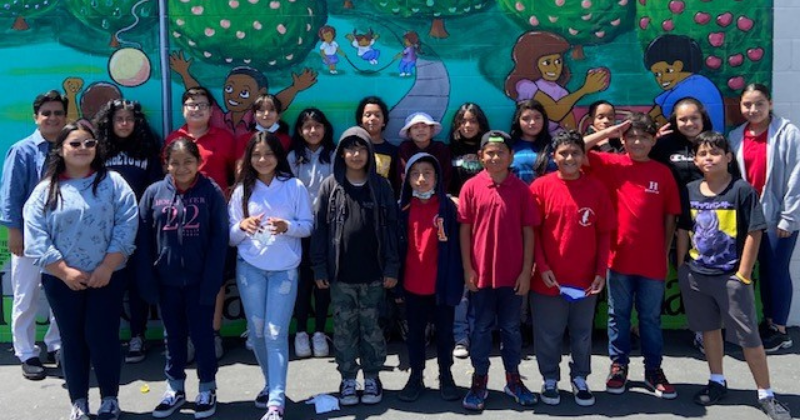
(320, 342)
(461, 350)
(80, 410)
(302, 348)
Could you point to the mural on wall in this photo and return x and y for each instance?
(418, 55)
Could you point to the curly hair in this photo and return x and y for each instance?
(142, 144)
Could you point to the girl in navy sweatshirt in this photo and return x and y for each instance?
(270, 211)
(183, 237)
(132, 150)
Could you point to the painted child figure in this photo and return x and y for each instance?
(496, 211)
(571, 252)
(722, 246)
(432, 274)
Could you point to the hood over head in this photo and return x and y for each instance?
(353, 135)
(406, 190)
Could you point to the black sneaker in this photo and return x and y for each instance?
(33, 369)
(711, 393)
(373, 391)
(413, 389)
(137, 350)
(262, 400)
(583, 396)
(775, 340)
(54, 357)
(550, 394)
(448, 388)
(774, 409)
(205, 405)
(171, 401)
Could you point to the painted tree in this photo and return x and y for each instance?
(734, 37)
(581, 22)
(262, 34)
(112, 16)
(19, 10)
(436, 10)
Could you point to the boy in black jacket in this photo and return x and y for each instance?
(432, 274)
(354, 252)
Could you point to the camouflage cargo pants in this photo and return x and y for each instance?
(356, 332)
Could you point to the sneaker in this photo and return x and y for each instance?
(54, 357)
(711, 393)
(550, 394)
(219, 349)
(461, 350)
(347, 392)
(273, 414)
(80, 410)
(476, 397)
(617, 379)
(413, 389)
(657, 382)
(448, 388)
(373, 391)
(189, 352)
(774, 409)
(262, 400)
(205, 405)
(136, 350)
(302, 348)
(583, 396)
(109, 409)
(320, 342)
(33, 369)
(170, 402)
(776, 340)
(517, 390)
(697, 342)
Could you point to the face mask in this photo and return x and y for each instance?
(273, 128)
(423, 195)
(572, 294)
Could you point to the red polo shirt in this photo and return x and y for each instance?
(643, 194)
(217, 151)
(497, 214)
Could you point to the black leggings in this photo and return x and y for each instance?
(305, 288)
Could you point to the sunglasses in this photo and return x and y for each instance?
(89, 144)
(57, 113)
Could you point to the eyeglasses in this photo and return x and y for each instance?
(88, 144)
(57, 113)
(261, 112)
(197, 106)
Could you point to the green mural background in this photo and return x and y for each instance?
(95, 50)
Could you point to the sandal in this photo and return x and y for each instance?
(711, 393)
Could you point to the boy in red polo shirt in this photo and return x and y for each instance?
(217, 161)
(571, 253)
(645, 197)
(497, 213)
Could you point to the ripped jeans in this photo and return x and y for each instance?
(268, 300)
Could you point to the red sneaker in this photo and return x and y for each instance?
(658, 383)
(617, 380)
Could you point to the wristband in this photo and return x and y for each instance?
(743, 279)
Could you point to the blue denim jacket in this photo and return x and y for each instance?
(22, 170)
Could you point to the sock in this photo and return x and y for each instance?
(718, 378)
(765, 393)
(550, 382)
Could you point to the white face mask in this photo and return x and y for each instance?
(271, 129)
(424, 195)
(572, 294)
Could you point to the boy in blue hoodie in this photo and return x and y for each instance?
(354, 252)
(432, 274)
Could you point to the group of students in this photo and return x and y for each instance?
(460, 231)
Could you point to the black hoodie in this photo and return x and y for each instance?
(330, 214)
(449, 270)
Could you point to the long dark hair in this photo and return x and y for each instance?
(299, 143)
(543, 139)
(458, 119)
(141, 145)
(673, 119)
(57, 166)
(248, 174)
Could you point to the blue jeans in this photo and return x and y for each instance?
(504, 305)
(464, 321)
(775, 280)
(268, 299)
(625, 291)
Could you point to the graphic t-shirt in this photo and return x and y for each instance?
(720, 225)
(466, 163)
(525, 155)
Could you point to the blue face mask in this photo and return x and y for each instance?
(424, 195)
(572, 294)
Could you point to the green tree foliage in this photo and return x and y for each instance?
(19, 10)
(436, 10)
(111, 16)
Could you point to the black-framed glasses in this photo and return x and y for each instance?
(88, 144)
(57, 113)
(197, 106)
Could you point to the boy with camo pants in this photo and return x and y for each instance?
(354, 252)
